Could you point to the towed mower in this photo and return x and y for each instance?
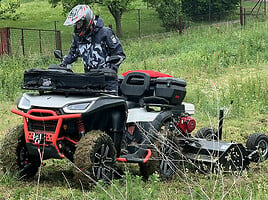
(70, 115)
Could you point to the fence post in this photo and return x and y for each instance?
(139, 21)
(9, 52)
(209, 11)
(56, 35)
(5, 41)
(180, 25)
(241, 16)
(22, 42)
(265, 8)
(40, 42)
(244, 17)
(58, 40)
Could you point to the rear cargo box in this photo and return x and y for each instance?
(139, 81)
(172, 89)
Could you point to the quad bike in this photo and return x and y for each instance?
(70, 115)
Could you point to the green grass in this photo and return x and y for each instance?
(220, 63)
(56, 185)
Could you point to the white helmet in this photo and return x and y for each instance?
(82, 14)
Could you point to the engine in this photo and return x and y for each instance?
(186, 124)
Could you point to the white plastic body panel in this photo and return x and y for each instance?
(141, 115)
(189, 108)
(53, 100)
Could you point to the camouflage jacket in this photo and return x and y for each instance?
(99, 50)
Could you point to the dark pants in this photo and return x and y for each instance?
(112, 86)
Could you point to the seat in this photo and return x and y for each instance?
(134, 87)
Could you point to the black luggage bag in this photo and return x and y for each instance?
(62, 80)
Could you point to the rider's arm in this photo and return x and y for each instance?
(116, 53)
(73, 53)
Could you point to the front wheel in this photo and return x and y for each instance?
(95, 158)
(15, 157)
(258, 141)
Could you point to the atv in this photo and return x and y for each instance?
(71, 115)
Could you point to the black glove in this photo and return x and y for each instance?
(63, 65)
(114, 67)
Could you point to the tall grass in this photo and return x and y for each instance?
(232, 64)
(54, 185)
(11, 74)
(220, 63)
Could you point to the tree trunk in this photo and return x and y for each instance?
(118, 25)
(117, 14)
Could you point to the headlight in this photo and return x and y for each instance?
(77, 107)
(24, 104)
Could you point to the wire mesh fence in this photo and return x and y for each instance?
(135, 23)
(24, 41)
(144, 22)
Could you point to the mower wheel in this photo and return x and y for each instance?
(14, 156)
(207, 133)
(258, 141)
(94, 158)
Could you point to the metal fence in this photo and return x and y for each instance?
(25, 41)
(144, 22)
(135, 23)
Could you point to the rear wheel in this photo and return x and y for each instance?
(95, 157)
(258, 141)
(165, 155)
(151, 166)
(15, 157)
(169, 157)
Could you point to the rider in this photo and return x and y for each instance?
(96, 44)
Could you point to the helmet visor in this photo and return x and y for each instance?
(74, 16)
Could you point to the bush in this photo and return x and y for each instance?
(199, 9)
(8, 9)
(169, 12)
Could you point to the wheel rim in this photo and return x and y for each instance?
(211, 136)
(23, 161)
(263, 148)
(168, 152)
(167, 161)
(102, 168)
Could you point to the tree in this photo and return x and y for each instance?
(116, 8)
(168, 11)
(208, 9)
(8, 9)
